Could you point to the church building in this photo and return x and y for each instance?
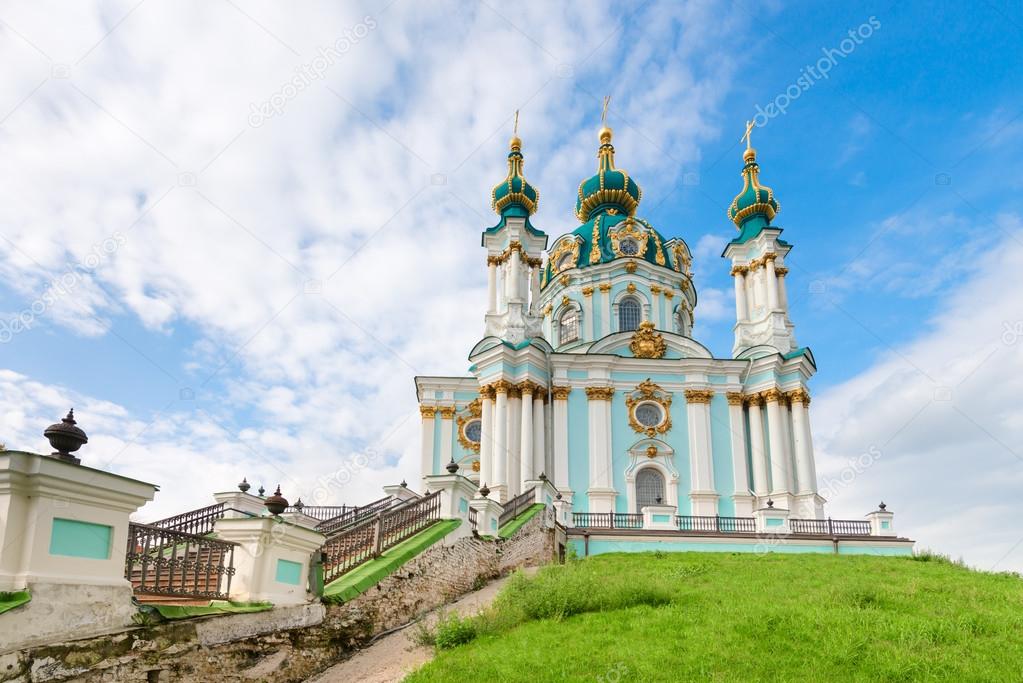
(588, 374)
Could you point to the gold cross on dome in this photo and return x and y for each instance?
(603, 112)
(516, 130)
(746, 136)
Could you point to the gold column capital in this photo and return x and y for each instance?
(501, 386)
(600, 393)
(428, 412)
(771, 395)
(561, 393)
(604, 287)
(735, 398)
(699, 395)
(487, 392)
(587, 290)
(739, 270)
(799, 396)
(446, 412)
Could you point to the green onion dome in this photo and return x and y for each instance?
(514, 195)
(610, 188)
(755, 206)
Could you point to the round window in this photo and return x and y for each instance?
(565, 262)
(628, 246)
(649, 414)
(472, 431)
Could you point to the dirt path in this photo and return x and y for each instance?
(394, 656)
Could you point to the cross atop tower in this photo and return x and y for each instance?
(746, 136)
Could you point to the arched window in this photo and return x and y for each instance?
(680, 321)
(568, 326)
(630, 314)
(649, 488)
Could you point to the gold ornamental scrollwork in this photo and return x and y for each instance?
(428, 412)
(649, 392)
(446, 412)
(566, 246)
(647, 342)
(699, 395)
(470, 413)
(627, 229)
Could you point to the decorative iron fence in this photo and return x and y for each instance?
(322, 512)
(473, 518)
(199, 522)
(516, 505)
(362, 542)
(830, 527)
(356, 514)
(164, 561)
(607, 520)
(715, 524)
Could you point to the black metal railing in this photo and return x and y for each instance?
(322, 512)
(356, 514)
(830, 527)
(516, 505)
(715, 524)
(472, 517)
(163, 561)
(199, 522)
(360, 543)
(607, 520)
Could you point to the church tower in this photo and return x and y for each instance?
(758, 267)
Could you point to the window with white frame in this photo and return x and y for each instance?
(630, 314)
(568, 326)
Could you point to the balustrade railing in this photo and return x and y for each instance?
(163, 561)
(356, 514)
(715, 524)
(473, 518)
(830, 527)
(322, 512)
(199, 522)
(608, 520)
(361, 542)
(516, 505)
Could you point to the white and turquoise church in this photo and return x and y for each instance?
(588, 374)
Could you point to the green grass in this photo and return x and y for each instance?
(365, 576)
(516, 523)
(214, 607)
(739, 617)
(11, 599)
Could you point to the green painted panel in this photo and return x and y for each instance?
(463, 505)
(885, 524)
(289, 572)
(661, 519)
(775, 521)
(74, 538)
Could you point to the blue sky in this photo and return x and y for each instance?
(273, 288)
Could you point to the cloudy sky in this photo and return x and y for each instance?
(232, 232)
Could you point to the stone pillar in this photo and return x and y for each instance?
(500, 460)
(740, 472)
(806, 481)
(772, 282)
(526, 440)
(534, 285)
(426, 463)
(882, 522)
(780, 474)
(487, 435)
(488, 513)
(605, 311)
(514, 270)
(758, 455)
(491, 285)
(240, 503)
(772, 520)
(656, 307)
(783, 297)
(739, 276)
(447, 432)
(601, 491)
(539, 433)
(514, 441)
(701, 469)
(560, 437)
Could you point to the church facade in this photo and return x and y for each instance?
(588, 372)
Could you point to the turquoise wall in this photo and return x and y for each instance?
(601, 546)
(578, 449)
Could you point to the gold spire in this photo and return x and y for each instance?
(516, 143)
(750, 154)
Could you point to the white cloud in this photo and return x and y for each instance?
(944, 416)
(312, 251)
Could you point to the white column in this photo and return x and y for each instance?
(426, 464)
(487, 436)
(601, 492)
(514, 269)
(656, 308)
(588, 313)
(605, 314)
(539, 436)
(701, 468)
(780, 475)
(739, 275)
(491, 285)
(737, 429)
(500, 459)
(772, 284)
(560, 435)
(783, 296)
(526, 440)
(447, 414)
(514, 440)
(757, 453)
(803, 445)
(534, 288)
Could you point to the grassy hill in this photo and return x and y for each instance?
(721, 617)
